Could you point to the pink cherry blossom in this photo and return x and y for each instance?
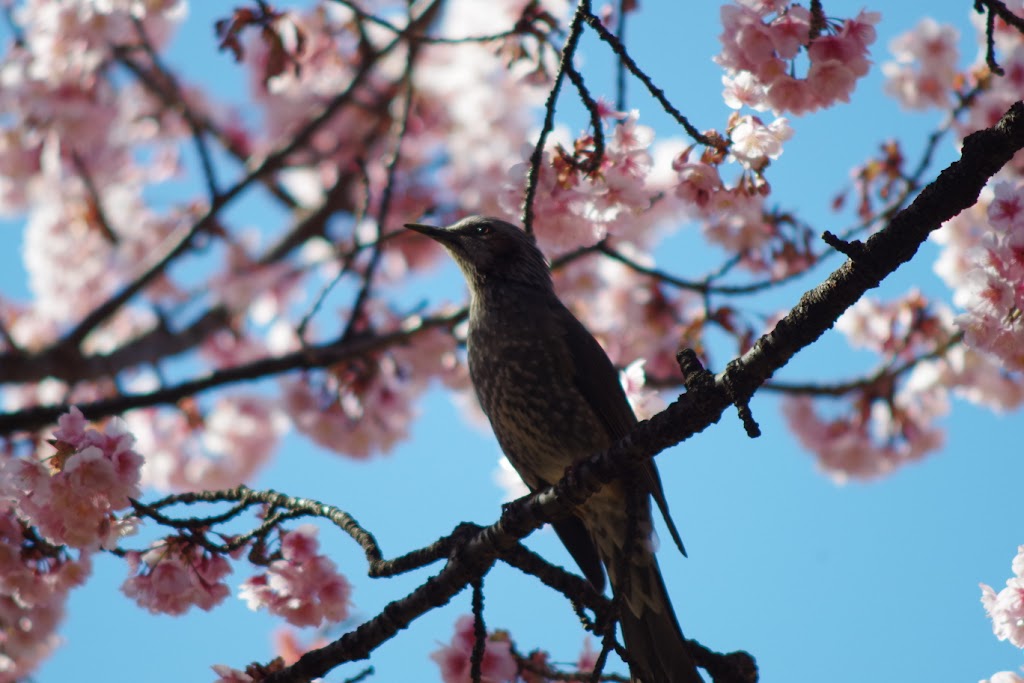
(580, 201)
(175, 575)
(903, 328)
(289, 647)
(365, 407)
(32, 573)
(753, 142)
(743, 90)
(357, 411)
(35, 580)
(758, 50)
(992, 291)
(263, 290)
(832, 80)
(924, 73)
(303, 586)
(1006, 608)
(979, 378)
(790, 29)
(736, 221)
(698, 182)
(71, 496)
(1006, 208)
(874, 437)
(786, 93)
(498, 665)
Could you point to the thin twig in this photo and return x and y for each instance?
(568, 52)
(383, 213)
(656, 92)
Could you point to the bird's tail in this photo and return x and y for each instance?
(653, 640)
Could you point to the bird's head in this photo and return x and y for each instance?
(491, 251)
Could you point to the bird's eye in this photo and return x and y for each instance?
(481, 230)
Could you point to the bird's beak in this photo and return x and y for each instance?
(437, 234)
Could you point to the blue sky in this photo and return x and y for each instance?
(861, 582)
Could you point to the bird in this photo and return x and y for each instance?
(553, 397)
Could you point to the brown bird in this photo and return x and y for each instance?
(553, 397)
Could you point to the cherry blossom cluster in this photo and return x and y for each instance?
(871, 439)
(901, 329)
(303, 586)
(189, 451)
(67, 496)
(733, 215)
(365, 407)
(313, 59)
(176, 574)
(994, 289)
(995, 91)
(71, 497)
(888, 421)
(925, 71)
(762, 38)
(68, 150)
(500, 662)
(35, 579)
(1006, 608)
(483, 131)
(578, 204)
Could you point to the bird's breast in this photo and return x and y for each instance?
(524, 378)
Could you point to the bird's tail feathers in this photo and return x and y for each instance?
(655, 644)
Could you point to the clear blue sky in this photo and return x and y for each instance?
(819, 582)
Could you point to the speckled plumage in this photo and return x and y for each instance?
(553, 397)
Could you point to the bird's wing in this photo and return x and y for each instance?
(570, 529)
(596, 378)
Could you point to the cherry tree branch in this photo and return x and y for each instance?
(308, 358)
(883, 375)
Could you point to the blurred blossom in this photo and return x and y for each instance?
(924, 72)
(221, 449)
(1006, 608)
(498, 665)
